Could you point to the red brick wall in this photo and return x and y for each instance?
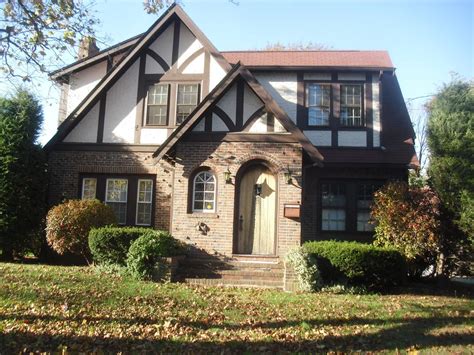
(66, 166)
(219, 157)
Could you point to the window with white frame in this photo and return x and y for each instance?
(351, 106)
(157, 105)
(204, 192)
(116, 197)
(144, 202)
(365, 197)
(186, 101)
(333, 207)
(89, 187)
(319, 104)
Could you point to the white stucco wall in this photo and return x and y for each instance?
(283, 88)
(351, 76)
(153, 135)
(152, 66)
(120, 111)
(188, 44)
(260, 125)
(228, 102)
(251, 103)
(196, 66)
(86, 129)
(82, 82)
(216, 73)
(317, 76)
(319, 138)
(163, 45)
(376, 109)
(352, 139)
(200, 126)
(218, 125)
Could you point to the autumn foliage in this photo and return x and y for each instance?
(408, 219)
(68, 225)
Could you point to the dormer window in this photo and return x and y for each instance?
(187, 100)
(351, 106)
(319, 104)
(157, 105)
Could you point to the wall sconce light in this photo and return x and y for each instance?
(228, 176)
(288, 176)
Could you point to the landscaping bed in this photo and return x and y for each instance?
(73, 309)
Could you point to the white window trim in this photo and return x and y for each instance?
(126, 195)
(83, 185)
(214, 191)
(151, 203)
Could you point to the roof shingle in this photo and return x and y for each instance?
(356, 59)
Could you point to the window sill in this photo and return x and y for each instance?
(212, 215)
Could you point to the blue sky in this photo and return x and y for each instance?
(427, 40)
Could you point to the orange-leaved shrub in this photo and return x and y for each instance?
(68, 225)
(409, 220)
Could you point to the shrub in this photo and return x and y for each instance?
(305, 268)
(145, 254)
(409, 220)
(68, 225)
(109, 245)
(356, 264)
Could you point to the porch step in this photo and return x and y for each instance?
(232, 272)
(240, 283)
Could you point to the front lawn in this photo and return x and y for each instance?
(52, 308)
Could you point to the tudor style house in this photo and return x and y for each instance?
(242, 153)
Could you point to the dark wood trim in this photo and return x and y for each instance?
(190, 59)
(158, 59)
(141, 98)
(176, 35)
(313, 68)
(208, 123)
(270, 122)
(239, 137)
(100, 126)
(224, 117)
(105, 147)
(169, 76)
(239, 109)
(253, 118)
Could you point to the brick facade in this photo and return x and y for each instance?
(172, 193)
(231, 155)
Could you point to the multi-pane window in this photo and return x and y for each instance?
(351, 106)
(186, 101)
(365, 197)
(116, 197)
(333, 207)
(89, 187)
(204, 192)
(144, 202)
(157, 105)
(319, 104)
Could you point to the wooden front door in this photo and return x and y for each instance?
(257, 208)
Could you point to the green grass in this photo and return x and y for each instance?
(74, 309)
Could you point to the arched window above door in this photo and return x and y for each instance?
(204, 192)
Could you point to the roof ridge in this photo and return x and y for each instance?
(305, 50)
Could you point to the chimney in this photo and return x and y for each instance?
(87, 48)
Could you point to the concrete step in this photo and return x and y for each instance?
(230, 274)
(239, 283)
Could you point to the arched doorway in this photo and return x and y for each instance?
(256, 202)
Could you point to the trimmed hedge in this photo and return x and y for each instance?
(357, 264)
(109, 245)
(145, 254)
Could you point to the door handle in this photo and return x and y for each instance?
(241, 222)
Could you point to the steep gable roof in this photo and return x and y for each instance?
(172, 13)
(239, 71)
(326, 59)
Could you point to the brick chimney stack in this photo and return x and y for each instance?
(87, 48)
